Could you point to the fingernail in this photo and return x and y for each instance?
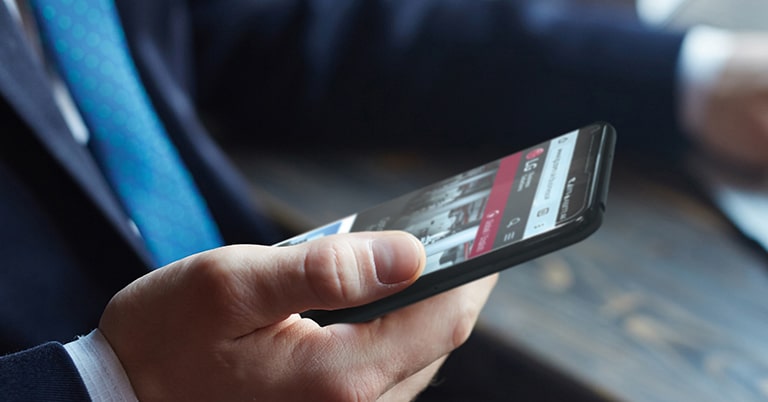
(398, 257)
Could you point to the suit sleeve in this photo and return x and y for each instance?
(404, 72)
(44, 373)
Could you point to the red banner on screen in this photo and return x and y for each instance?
(494, 208)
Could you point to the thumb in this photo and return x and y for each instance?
(332, 272)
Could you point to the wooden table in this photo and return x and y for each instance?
(666, 302)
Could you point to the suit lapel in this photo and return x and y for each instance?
(24, 84)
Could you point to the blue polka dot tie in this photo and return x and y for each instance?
(85, 40)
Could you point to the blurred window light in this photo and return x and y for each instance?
(657, 12)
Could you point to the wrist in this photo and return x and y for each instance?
(100, 368)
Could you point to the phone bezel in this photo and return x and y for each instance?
(567, 233)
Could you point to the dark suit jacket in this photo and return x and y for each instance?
(291, 73)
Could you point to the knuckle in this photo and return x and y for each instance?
(462, 329)
(349, 392)
(349, 385)
(464, 319)
(354, 380)
(467, 306)
(332, 271)
(213, 277)
(354, 389)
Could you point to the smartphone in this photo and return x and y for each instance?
(489, 218)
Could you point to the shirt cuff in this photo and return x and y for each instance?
(703, 56)
(100, 368)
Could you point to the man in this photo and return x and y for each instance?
(219, 325)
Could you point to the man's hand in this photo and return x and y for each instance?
(222, 325)
(734, 122)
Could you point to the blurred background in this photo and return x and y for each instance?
(668, 301)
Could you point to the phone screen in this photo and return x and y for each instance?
(501, 203)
